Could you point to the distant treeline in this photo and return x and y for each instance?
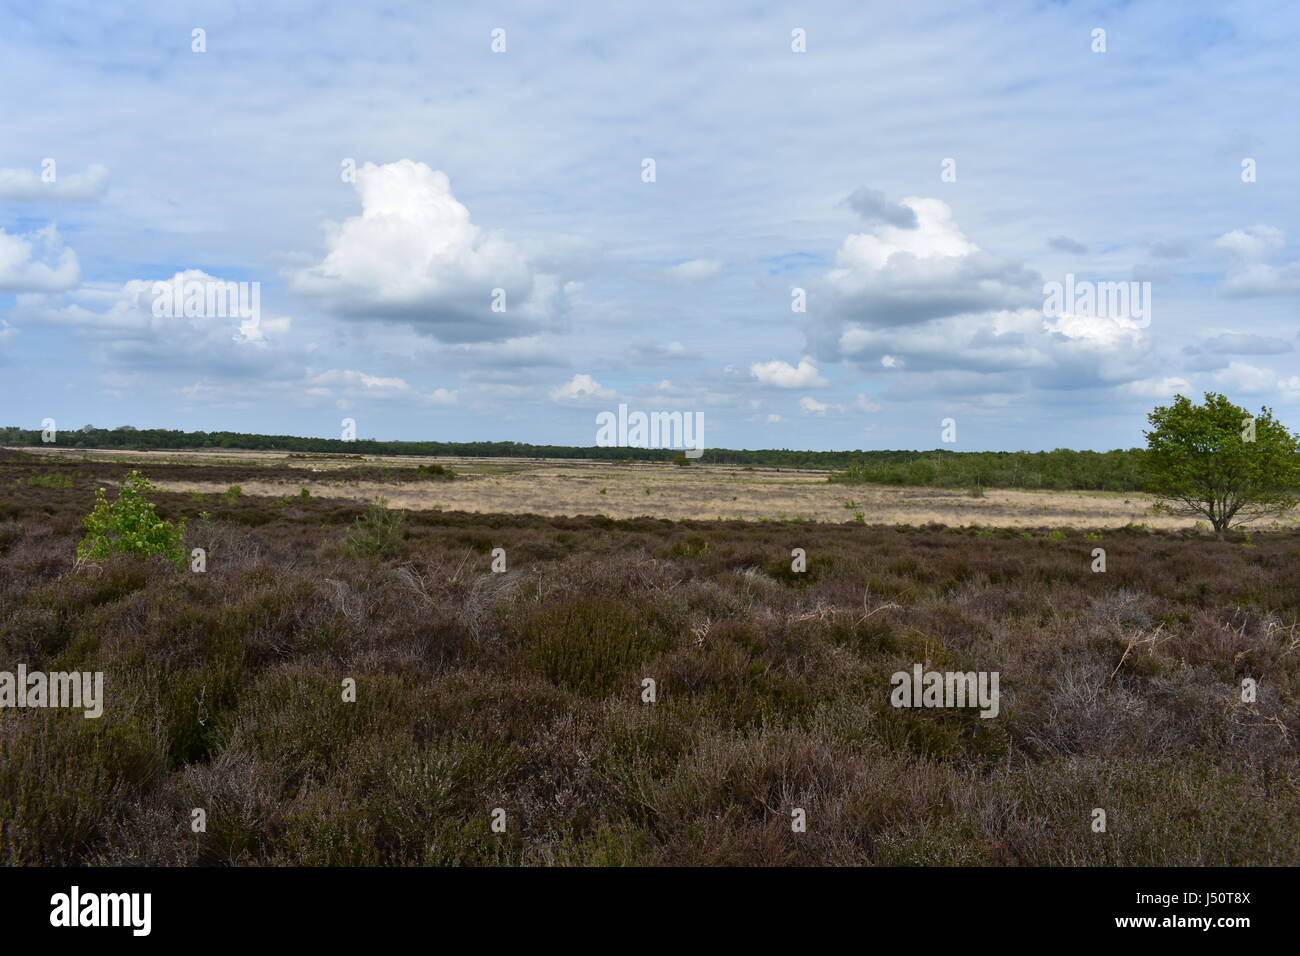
(1060, 469)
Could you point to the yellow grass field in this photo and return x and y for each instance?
(704, 492)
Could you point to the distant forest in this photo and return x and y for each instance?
(1061, 469)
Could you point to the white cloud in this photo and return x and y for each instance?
(865, 404)
(1250, 274)
(579, 387)
(1251, 244)
(37, 262)
(810, 406)
(695, 270)
(413, 255)
(1157, 387)
(1243, 377)
(896, 275)
(26, 184)
(356, 384)
(784, 375)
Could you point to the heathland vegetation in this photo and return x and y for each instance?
(523, 691)
(1061, 469)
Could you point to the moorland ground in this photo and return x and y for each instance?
(1120, 690)
(626, 490)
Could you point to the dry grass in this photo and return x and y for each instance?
(697, 492)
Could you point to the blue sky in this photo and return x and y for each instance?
(523, 170)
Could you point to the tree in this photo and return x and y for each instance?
(130, 525)
(1219, 462)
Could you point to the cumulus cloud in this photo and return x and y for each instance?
(695, 270)
(810, 406)
(581, 387)
(1250, 271)
(932, 310)
(27, 184)
(784, 375)
(37, 262)
(413, 255)
(872, 206)
(136, 324)
(901, 276)
(1244, 377)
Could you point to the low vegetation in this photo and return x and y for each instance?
(523, 690)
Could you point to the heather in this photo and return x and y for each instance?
(522, 690)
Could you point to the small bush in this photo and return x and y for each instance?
(130, 526)
(377, 532)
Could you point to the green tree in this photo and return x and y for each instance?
(1219, 462)
(129, 525)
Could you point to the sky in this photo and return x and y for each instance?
(819, 226)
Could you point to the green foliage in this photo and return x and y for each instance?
(130, 525)
(1219, 462)
(233, 494)
(377, 532)
(1059, 470)
(681, 461)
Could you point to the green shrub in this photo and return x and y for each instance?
(233, 494)
(378, 531)
(130, 526)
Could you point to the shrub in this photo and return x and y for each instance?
(378, 531)
(590, 644)
(233, 494)
(130, 526)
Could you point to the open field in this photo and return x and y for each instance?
(695, 492)
(522, 690)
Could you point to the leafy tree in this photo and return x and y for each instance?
(1219, 462)
(130, 526)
